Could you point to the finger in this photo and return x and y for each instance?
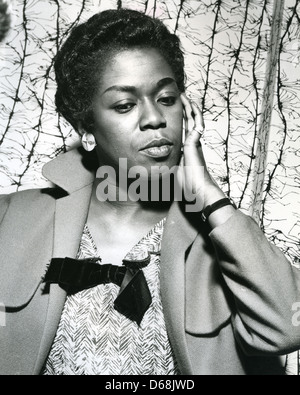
(198, 117)
(188, 112)
(194, 136)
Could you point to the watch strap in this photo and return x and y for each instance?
(208, 210)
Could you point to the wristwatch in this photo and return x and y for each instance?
(208, 210)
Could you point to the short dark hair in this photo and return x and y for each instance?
(5, 19)
(91, 44)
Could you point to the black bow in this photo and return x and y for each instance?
(75, 275)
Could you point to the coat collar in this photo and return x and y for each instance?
(70, 217)
(24, 267)
(72, 171)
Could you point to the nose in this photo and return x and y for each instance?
(151, 117)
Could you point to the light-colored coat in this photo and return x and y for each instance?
(227, 295)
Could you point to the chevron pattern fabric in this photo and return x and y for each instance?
(94, 339)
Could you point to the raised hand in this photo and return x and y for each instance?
(194, 174)
(193, 166)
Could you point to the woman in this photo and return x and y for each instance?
(155, 287)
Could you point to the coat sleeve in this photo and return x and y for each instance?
(265, 287)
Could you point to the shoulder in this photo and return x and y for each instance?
(30, 196)
(29, 202)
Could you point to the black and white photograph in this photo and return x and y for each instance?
(149, 190)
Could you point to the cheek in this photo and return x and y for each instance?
(109, 128)
(114, 137)
(175, 122)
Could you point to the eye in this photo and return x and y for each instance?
(168, 100)
(124, 108)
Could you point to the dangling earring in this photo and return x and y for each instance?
(88, 142)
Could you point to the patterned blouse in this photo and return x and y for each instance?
(95, 339)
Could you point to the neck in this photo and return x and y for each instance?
(112, 199)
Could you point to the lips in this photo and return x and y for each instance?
(157, 143)
(158, 148)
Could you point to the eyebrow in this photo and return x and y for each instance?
(132, 89)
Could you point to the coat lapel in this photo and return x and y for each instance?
(178, 237)
(192, 287)
(26, 247)
(70, 218)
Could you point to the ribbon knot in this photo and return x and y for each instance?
(75, 275)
